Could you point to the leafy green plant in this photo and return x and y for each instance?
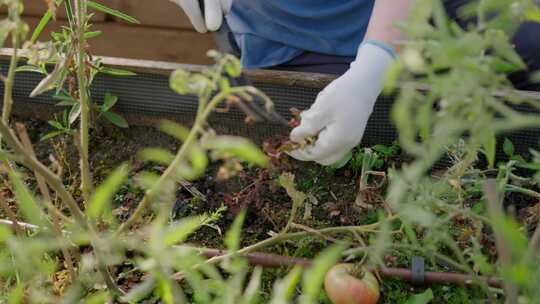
(453, 218)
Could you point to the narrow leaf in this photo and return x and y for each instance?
(422, 298)
(314, 277)
(30, 68)
(238, 147)
(41, 25)
(116, 119)
(25, 201)
(508, 147)
(116, 72)
(175, 130)
(49, 82)
(108, 102)
(232, 238)
(93, 34)
(179, 231)
(156, 155)
(112, 12)
(104, 193)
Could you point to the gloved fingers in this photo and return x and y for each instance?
(226, 6)
(213, 12)
(301, 155)
(313, 121)
(332, 144)
(334, 158)
(193, 11)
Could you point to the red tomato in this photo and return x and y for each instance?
(342, 287)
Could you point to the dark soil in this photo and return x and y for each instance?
(331, 193)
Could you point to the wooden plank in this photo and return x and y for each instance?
(121, 40)
(159, 13)
(37, 8)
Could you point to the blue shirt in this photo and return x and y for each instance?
(272, 32)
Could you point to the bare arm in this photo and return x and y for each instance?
(386, 13)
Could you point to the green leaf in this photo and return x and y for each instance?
(104, 193)
(41, 26)
(116, 72)
(535, 77)
(17, 294)
(314, 276)
(108, 102)
(156, 155)
(175, 130)
(64, 96)
(31, 69)
(232, 238)
(51, 135)
(286, 180)
(489, 143)
(284, 289)
(5, 234)
(344, 161)
(25, 201)
(508, 147)
(74, 113)
(112, 12)
(93, 34)
(140, 291)
(55, 124)
(239, 147)
(422, 298)
(147, 180)
(179, 231)
(116, 119)
(165, 290)
(251, 294)
(179, 82)
(532, 13)
(50, 81)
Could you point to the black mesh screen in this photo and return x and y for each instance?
(149, 95)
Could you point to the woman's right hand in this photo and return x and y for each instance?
(212, 17)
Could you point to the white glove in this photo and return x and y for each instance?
(214, 11)
(341, 111)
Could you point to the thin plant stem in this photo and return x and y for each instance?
(289, 236)
(503, 247)
(52, 179)
(83, 138)
(180, 156)
(11, 215)
(9, 81)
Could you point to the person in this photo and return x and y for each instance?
(355, 39)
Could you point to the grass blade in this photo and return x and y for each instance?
(112, 12)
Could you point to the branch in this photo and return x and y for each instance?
(35, 165)
(534, 245)
(180, 156)
(82, 141)
(10, 80)
(496, 212)
(288, 236)
(12, 217)
(42, 184)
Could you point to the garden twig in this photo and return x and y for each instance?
(11, 215)
(27, 144)
(288, 236)
(9, 81)
(534, 245)
(42, 184)
(496, 212)
(315, 232)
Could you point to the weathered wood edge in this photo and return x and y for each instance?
(286, 78)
